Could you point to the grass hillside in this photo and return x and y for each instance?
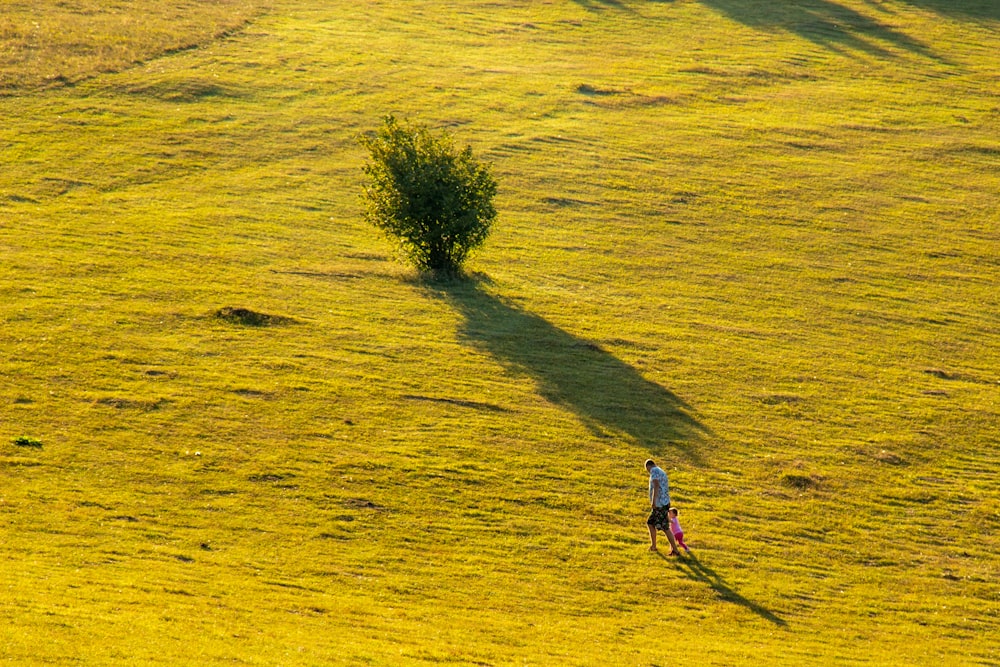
(58, 43)
(757, 241)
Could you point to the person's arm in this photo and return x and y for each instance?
(656, 493)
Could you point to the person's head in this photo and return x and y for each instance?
(650, 464)
(672, 511)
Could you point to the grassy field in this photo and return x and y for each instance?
(64, 42)
(757, 241)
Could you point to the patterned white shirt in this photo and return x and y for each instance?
(654, 474)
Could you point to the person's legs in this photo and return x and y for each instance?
(660, 520)
(679, 537)
(673, 543)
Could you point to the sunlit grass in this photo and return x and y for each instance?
(754, 241)
(57, 43)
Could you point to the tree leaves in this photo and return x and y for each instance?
(434, 200)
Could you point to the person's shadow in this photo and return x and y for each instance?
(609, 396)
(698, 571)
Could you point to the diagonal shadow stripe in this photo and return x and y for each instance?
(830, 23)
(823, 22)
(986, 9)
(695, 569)
(609, 396)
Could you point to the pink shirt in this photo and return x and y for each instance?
(675, 525)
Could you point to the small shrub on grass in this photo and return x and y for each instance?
(25, 441)
(434, 200)
(250, 318)
(800, 482)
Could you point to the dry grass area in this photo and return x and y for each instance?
(57, 43)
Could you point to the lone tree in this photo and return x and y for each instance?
(436, 201)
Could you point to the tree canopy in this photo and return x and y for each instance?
(435, 200)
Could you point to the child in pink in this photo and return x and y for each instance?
(675, 528)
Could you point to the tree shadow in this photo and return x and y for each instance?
(983, 9)
(609, 396)
(758, 13)
(698, 571)
(826, 23)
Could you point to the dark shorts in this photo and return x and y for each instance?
(660, 518)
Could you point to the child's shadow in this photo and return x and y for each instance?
(695, 569)
(608, 395)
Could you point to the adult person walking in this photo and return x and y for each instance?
(659, 501)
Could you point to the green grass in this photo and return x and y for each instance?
(756, 241)
(62, 43)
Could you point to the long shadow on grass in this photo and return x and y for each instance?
(823, 22)
(695, 569)
(985, 9)
(829, 23)
(609, 396)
